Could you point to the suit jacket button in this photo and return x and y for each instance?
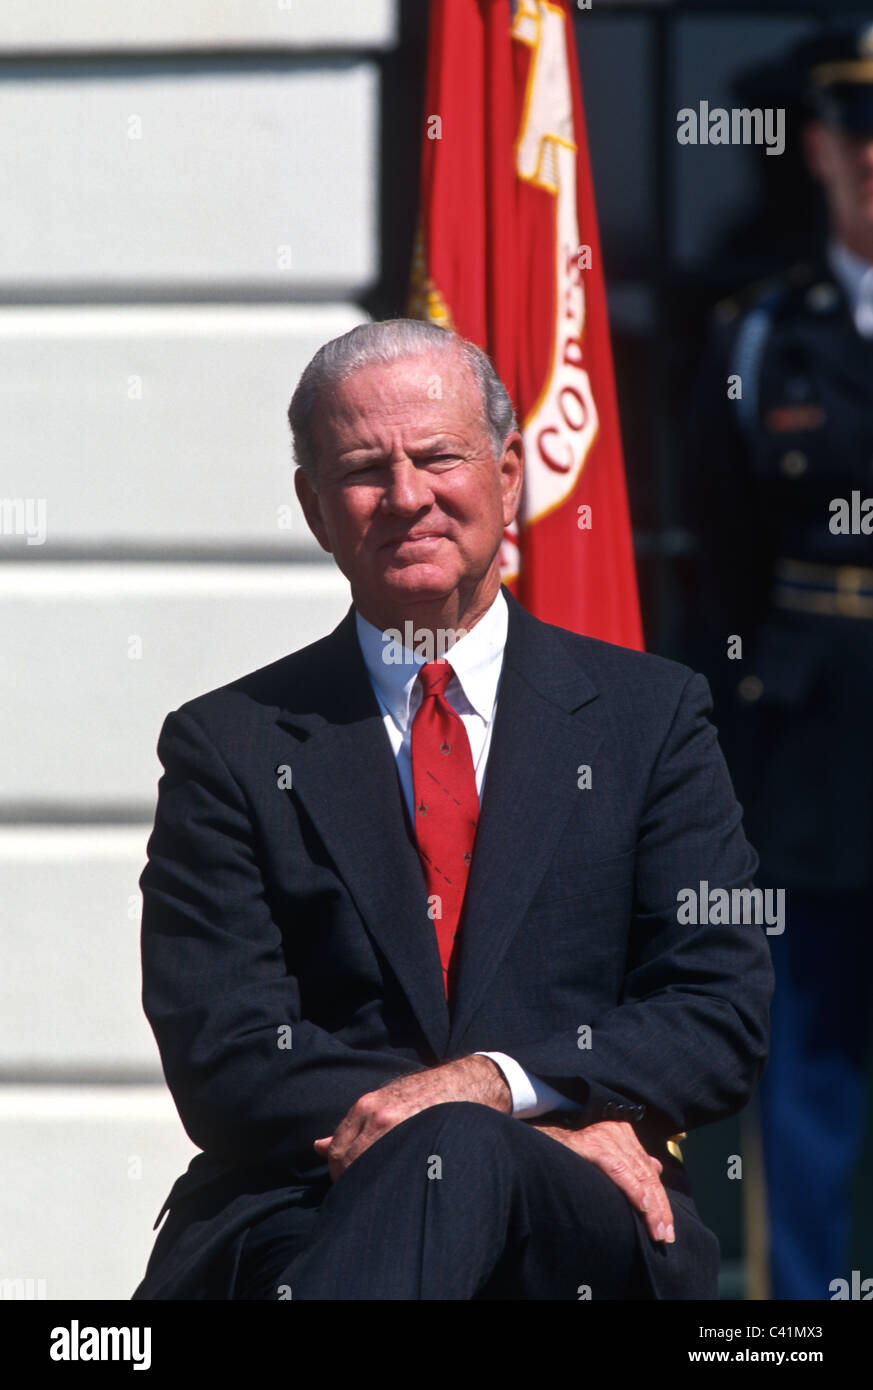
(639, 1113)
(750, 689)
(821, 297)
(793, 463)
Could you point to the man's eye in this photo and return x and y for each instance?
(363, 469)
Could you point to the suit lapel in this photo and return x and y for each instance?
(343, 771)
(530, 789)
(829, 337)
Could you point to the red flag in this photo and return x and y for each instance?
(509, 256)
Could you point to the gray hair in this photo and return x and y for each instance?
(392, 340)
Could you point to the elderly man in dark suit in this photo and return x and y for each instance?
(412, 949)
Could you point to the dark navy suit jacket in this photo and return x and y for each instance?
(268, 907)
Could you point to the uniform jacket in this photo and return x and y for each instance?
(764, 467)
(270, 907)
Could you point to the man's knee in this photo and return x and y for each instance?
(464, 1118)
(456, 1127)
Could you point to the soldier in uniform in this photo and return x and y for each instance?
(783, 461)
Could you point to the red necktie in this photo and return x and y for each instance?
(446, 809)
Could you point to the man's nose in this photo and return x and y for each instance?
(408, 487)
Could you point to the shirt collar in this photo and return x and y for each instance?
(854, 274)
(476, 660)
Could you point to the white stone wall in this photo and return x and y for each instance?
(189, 210)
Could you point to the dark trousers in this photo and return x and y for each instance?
(814, 1090)
(463, 1202)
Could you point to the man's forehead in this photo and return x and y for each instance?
(436, 394)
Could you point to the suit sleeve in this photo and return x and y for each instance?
(253, 1081)
(688, 1039)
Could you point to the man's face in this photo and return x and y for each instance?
(411, 501)
(843, 162)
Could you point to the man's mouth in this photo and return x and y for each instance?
(417, 538)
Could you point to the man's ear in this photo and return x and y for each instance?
(311, 504)
(511, 475)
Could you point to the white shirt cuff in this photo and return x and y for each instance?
(530, 1096)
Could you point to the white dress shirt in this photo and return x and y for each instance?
(856, 277)
(476, 660)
